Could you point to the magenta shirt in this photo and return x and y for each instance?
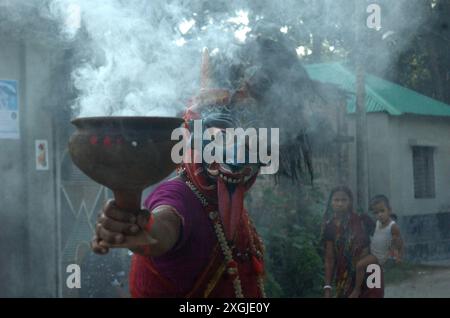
(188, 258)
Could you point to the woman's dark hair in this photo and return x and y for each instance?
(328, 215)
(267, 66)
(341, 188)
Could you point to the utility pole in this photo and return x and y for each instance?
(362, 191)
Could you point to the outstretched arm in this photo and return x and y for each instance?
(117, 228)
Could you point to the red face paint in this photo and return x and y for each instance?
(231, 206)
(224, 207)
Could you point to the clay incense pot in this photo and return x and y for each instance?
(125, 154)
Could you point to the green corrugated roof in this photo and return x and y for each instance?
(381, 95)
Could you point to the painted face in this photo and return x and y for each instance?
(227, 174)
(381, 212)
(232, 174)
(230, 170)
(340, 202)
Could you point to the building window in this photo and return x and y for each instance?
(423, 165)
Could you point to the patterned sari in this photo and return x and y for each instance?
(349, 240)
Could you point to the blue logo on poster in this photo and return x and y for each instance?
(8, 95)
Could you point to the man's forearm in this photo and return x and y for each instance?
(163, 233)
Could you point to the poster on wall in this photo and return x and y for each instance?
(41, 150)
(9, 110)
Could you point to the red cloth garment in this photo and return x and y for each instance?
(195, 266)
(349, 239)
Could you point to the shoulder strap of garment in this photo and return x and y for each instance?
(390, 225)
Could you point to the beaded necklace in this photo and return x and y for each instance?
(231, 264)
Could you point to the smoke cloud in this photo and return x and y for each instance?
(142, 58)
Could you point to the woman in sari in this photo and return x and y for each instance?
(346, 239)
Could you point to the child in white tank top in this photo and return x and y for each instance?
(386, 240)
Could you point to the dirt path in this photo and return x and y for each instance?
(434, 283)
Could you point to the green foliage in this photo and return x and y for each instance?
(289, 223)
